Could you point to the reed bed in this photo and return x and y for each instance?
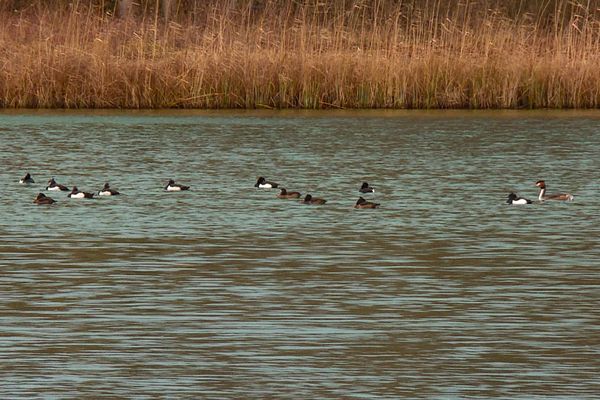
(309, 54)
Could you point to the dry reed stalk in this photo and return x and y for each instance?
(353, 54)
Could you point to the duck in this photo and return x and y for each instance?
(362, 203)
(262, 183)
(107, 191)
(76, 194)
(174, 187)
(41, 198)
(308, 199)
(558, 196)
(26, 180)
(365, 188)
(52, 185)
(514, 199)
(284, 194)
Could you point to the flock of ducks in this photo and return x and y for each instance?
(75, 193)
(262, 183)
(516, 200)
(171, 186)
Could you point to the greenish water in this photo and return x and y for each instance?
(226, 291)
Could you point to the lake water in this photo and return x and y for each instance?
(226, 291)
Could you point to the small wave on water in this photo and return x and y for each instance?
(226, 291)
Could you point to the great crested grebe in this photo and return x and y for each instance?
(558, 196)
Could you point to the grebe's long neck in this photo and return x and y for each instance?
(542, 194)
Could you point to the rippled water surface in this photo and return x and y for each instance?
(226, 291)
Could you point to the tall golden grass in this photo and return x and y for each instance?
(304, 54)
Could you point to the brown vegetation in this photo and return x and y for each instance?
(301, 54)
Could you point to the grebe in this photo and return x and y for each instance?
(557, 196)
